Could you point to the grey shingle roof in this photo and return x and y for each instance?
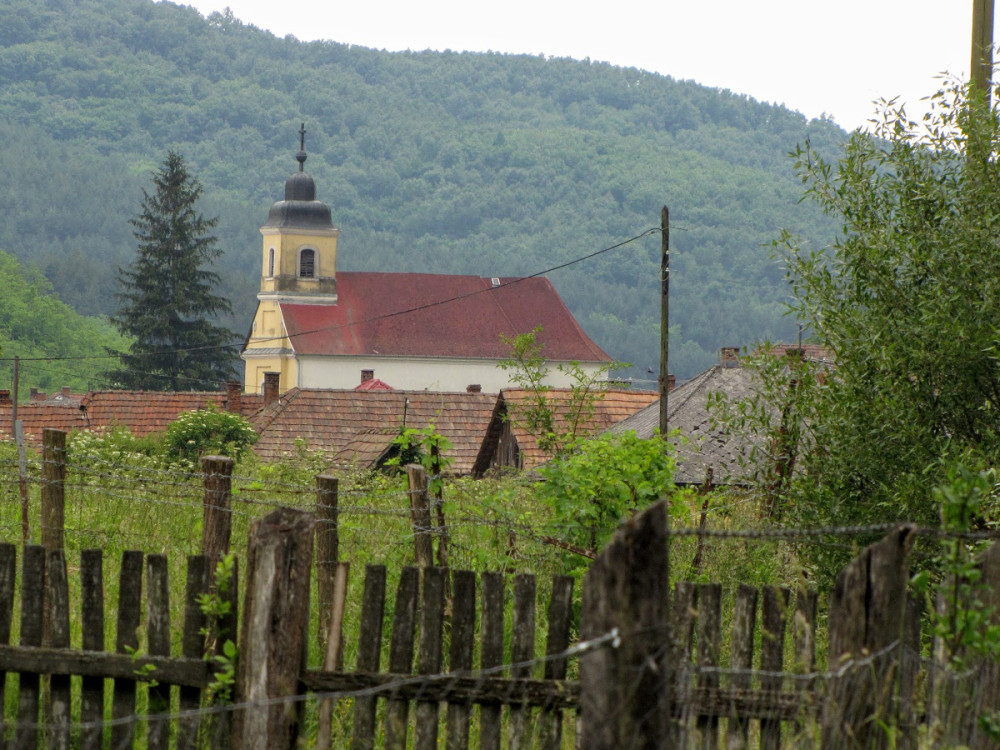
(703, 444)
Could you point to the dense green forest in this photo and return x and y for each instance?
(436, 162)
(38, 327)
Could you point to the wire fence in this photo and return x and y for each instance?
(118, 505)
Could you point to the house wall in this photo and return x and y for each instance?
(418, 373)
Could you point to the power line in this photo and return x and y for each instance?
(373, 319)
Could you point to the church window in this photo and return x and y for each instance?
(270, 263)
(307, 264)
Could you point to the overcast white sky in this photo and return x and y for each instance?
(814, 56)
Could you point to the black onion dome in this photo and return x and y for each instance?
(300, 207)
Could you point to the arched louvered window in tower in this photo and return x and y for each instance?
(307, 264)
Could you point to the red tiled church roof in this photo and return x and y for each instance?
(410, 314)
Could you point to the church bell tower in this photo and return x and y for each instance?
(298, 267)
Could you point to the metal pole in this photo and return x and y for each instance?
(664, 317)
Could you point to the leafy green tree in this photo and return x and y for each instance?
(169, 295)
(908, 300)
(604, 480)
(555, 428)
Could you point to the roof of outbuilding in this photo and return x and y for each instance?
(410, 314)
(704, 444)
(36, 417)
(610, 407)
(334, 421)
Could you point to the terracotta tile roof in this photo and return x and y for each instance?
(612, 406)
(37, 417)
(333, 420)
(408, 314)
(374, 385)
(142, 412)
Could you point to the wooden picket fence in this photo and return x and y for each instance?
(647, 670)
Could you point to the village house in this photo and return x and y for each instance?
(320, 328)
(357, 428)
(509, 444)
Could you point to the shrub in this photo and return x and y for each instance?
(206, 432)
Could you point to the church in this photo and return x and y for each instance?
(318, 328)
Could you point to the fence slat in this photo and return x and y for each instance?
(709, 639)
(772, 657)
(683, 609)
(57, 600)
(491, 655)
(463, 630)
(333, 657)
(32, 606)
(744, 626)
(556, 642)
(193, 646)
(625, 691)
(272, 641)
(431, 652)
(8, 582)
(127, 641)
(522, 650)
(867, 608)
(397, 712)
(158, 644)
(369, 653)
(92, 616)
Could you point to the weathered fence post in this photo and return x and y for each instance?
(709, 639)
(327, 548)
(772, 657)
(420, 513)
(123, 698)
(57, 604)
(867, 612)
(274, 631)
(959, 697)
(744, 626)
(92, 614)
(625, 684)
(53, 488)
(158, 643)
(218, 515)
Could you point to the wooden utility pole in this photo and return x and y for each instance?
(22, 458)
(982, 49)
(664, 316)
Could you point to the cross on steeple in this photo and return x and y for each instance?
(301, 155)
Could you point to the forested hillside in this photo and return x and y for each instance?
(437, 162)
(37, 326)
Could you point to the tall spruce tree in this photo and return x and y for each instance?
(168, 292)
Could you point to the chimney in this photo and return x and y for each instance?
(367, 375)
(37, 395)
(474, 388)
(271, 385)
(730, 356)
(671, 382)
(5, 398)
(65, 390)
(234, 397)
